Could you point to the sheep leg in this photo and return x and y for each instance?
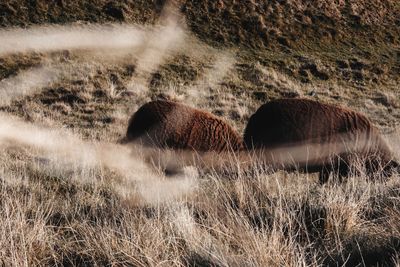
(343, 170)
(324, 175)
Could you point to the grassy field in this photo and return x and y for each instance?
(73, 72)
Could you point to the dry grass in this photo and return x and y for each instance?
(71, 196)
(78, 215)
(70, 202)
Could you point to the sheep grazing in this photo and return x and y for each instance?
(167, 124)
(318, 137)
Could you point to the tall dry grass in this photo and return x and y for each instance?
(66, 200)
(88, 214)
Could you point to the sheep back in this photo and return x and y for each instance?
(341, 131)
(168, 124)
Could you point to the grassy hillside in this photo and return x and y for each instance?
(296, 23)
(71, 196)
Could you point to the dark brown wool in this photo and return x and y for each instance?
(168, 124)
(323, 130)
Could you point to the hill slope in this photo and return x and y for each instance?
(71, 196)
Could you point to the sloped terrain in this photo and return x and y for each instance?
(296, 23)
(70, 195)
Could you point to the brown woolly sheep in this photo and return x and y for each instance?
(320, 138)
(167, 124)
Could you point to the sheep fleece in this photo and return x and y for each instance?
(168, 124)
(284, 122)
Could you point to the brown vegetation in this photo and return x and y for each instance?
(272, 23)
(290, 23)
(330, 135)
(72, 197)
